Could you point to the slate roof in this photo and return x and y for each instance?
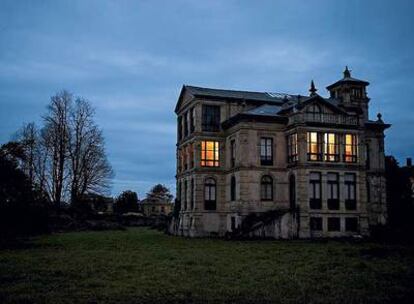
(266, 110)
(234, 94)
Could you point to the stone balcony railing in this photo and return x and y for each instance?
(323, 118)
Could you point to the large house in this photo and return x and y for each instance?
(302, 166)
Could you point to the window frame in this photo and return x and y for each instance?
(266, 188)
(293, 148)
(208, 162)
(333, 188)
(352, 156)
(210, 194)
(319, 224)
(232, 188)
(333, 226)
(232, 153)
(315, 187)
(266, 159)
(318, 155)
(210, 118)
(350, 191)
(328, 156)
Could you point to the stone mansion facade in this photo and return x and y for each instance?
(313, 165)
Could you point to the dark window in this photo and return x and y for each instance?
(315, 197)
(293, 147)
(185, 121)
(314, 112)
(334, 224)
(350, 191)
(367, 158)
(210, 154)
(233, 189)
(185, 195)
(315, 146)
(162, 209)
(292, 192)
(316, 223)
(211, 118)
(333, 191)
(233, 223)
(331, 147)
(232, 153)
(266, 188)
(266, 151)
(368, 192)
(351, 224)
(192, 120)
(210, 194)
(179, 128)
(192, 193)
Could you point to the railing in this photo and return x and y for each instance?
(323, 118)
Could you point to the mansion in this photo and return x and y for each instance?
(279, 165)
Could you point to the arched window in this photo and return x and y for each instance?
(266, 188)
(210, 194)
(233, 189)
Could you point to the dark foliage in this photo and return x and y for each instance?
(160, 192)
(400, 202)
(127, 201)
(23, 209)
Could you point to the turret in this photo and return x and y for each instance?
(351, 93)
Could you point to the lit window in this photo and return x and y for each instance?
(350, 148)
(210, 153)
(266, 188)
(314, 146)
(266, 151)
(331, 147)
(293, 147)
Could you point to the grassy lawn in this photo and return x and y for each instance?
(143, 265)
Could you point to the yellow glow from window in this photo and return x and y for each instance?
(209, 153)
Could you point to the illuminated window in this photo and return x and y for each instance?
(293, 147)
(333, 191)
(350, 148)
(266, 151)
(266, 188)
(331, 147)
(314, 146)
(315, 189)
(210, 153)
(210, 194)
(350, 191)
(211, 118)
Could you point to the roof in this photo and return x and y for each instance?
(266, 109)
(234, 94)
(347, 80)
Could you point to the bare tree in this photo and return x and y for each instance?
(89, 168)
(27, 136)
(55, 140)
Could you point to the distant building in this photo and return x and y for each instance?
(318, 162)
(154, 206)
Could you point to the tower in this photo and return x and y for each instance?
(351, 94)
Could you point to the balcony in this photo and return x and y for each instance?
(323, 118)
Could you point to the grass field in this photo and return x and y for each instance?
(142, 265)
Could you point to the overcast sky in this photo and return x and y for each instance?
(130, 59)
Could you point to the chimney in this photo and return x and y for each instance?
(409, 162)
